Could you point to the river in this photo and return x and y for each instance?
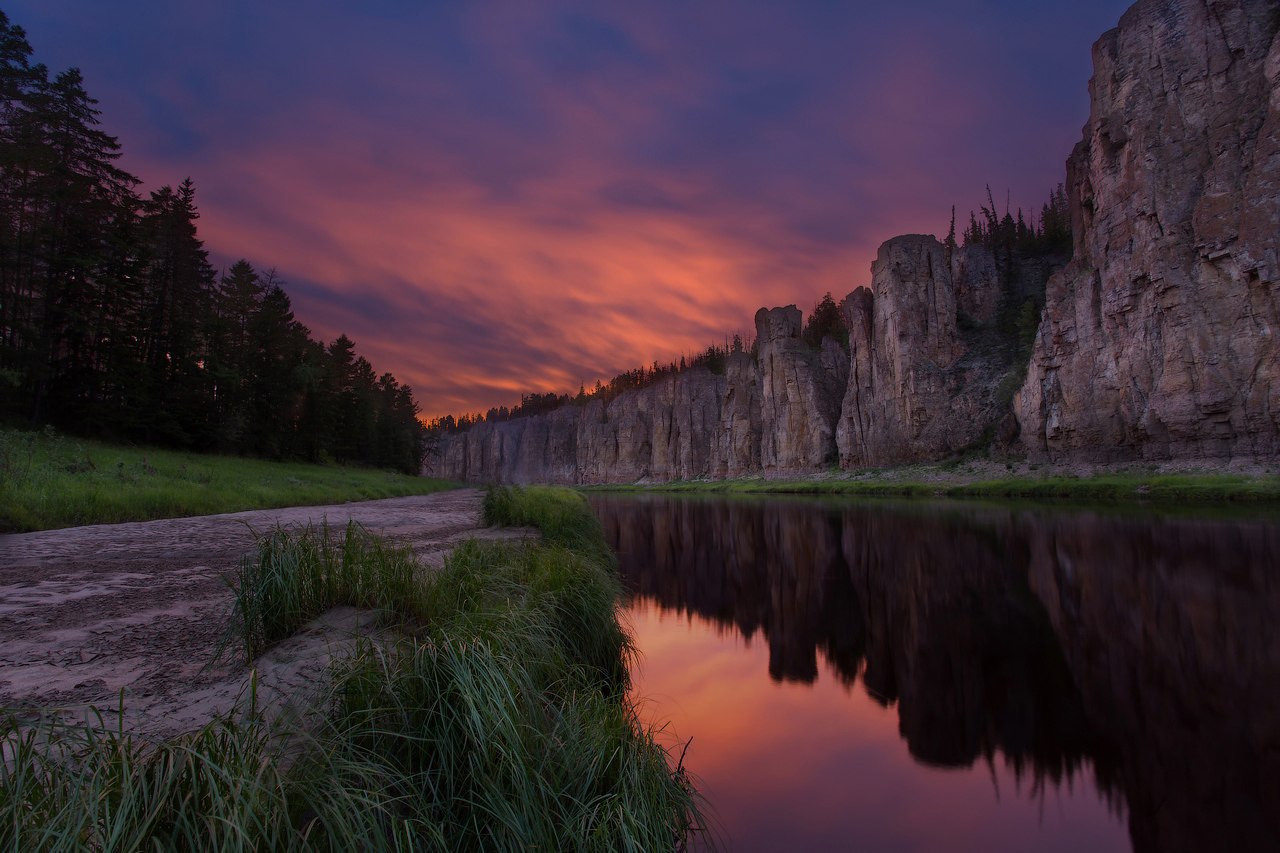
(947, 676)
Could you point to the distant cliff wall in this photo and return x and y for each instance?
(773, 411)
(1159, 340)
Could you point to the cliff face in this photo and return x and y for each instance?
(909, 388)
(1158, 340)
(800, 393)
(912, 392)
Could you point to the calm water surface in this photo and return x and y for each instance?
(946, 677)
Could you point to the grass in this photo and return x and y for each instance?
(556, 512)
(298, 574)
(495, 716)
(89, 787)
(47, 481)
(1106, 488)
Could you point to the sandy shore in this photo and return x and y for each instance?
(142, 607)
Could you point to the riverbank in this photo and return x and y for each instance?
(49, 481)
(478, 701)
(1241, 482)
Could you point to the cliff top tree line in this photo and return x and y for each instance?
(114, 323)
(1010, 239)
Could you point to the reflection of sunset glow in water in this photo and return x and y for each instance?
(823, 766)
(912, 676)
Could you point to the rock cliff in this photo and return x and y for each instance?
(1158, 341)
(916, 390)
(910, 386)
(800, 393)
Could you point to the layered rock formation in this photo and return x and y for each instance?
(912, 394)
(910, 386)
(1158, 341)
(800, 393)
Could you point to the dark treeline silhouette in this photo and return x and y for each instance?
(114, 323)
(1013, 232)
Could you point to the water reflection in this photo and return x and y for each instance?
(1139, 652)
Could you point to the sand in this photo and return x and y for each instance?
(91, 616)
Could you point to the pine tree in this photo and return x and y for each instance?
(179, 297)
(278, 346)
(87, 201)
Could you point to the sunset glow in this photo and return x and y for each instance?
(522, 197)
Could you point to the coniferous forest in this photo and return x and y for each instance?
(113, 322)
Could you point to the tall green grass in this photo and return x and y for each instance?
(48, 480)
(298, 574)
(561, 515)
(224, 787)
(496, 717)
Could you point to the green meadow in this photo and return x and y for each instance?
(49, 480)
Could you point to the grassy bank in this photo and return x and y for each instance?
(1105, 488)
(493, 714)
(48, 481)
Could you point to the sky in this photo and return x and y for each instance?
(493, 198)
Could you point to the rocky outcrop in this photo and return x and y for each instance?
(912, 393)
(800, 393)
(911, 386)
(977, 283)
(695, 424)
(1159, 339)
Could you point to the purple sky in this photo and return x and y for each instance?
(492, 198)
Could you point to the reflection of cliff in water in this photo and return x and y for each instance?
(1144, 649)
